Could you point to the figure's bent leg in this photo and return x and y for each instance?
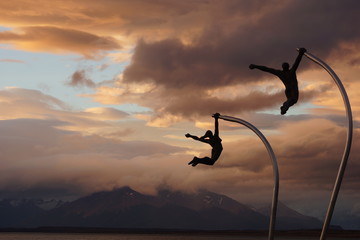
(206, 161)
(194, 161)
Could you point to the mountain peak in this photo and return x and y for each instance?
(125, 189)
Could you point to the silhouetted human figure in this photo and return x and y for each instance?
(288, 77)
(213, 139)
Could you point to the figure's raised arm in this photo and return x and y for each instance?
(263, 68)
(216, 131)
(298, 59)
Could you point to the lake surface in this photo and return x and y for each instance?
(108, 236)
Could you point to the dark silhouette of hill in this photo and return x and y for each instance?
(17, 214)
(288, 218)
(126, 208)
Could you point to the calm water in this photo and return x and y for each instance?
(98, 236)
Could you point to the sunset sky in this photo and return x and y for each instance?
(96, 95)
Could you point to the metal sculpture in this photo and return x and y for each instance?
(346, 153)
(275, 169)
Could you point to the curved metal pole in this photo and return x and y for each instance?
(345, 157)
(275, 169)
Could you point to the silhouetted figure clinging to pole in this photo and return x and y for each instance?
(288, 77)
(213, 139)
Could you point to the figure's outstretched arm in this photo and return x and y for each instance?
(188, 135)
(263, 68)
(298, 59)
(216, 131)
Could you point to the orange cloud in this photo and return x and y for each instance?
(59, 40)
(173, 105)
(11, 60)
(17, 103)
(159, 19)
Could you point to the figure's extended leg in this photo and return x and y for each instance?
(292, 96)
(286, 105)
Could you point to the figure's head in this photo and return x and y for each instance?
(208, 134)
(285, 66)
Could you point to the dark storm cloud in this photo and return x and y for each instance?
(220, 56)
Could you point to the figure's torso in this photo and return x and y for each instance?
(217, 147)
(289, 79)
(215, 143)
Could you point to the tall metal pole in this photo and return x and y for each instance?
(346, 153)
(275, 169)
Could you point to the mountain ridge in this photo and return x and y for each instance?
(127, 208)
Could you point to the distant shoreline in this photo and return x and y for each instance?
(302, 233)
